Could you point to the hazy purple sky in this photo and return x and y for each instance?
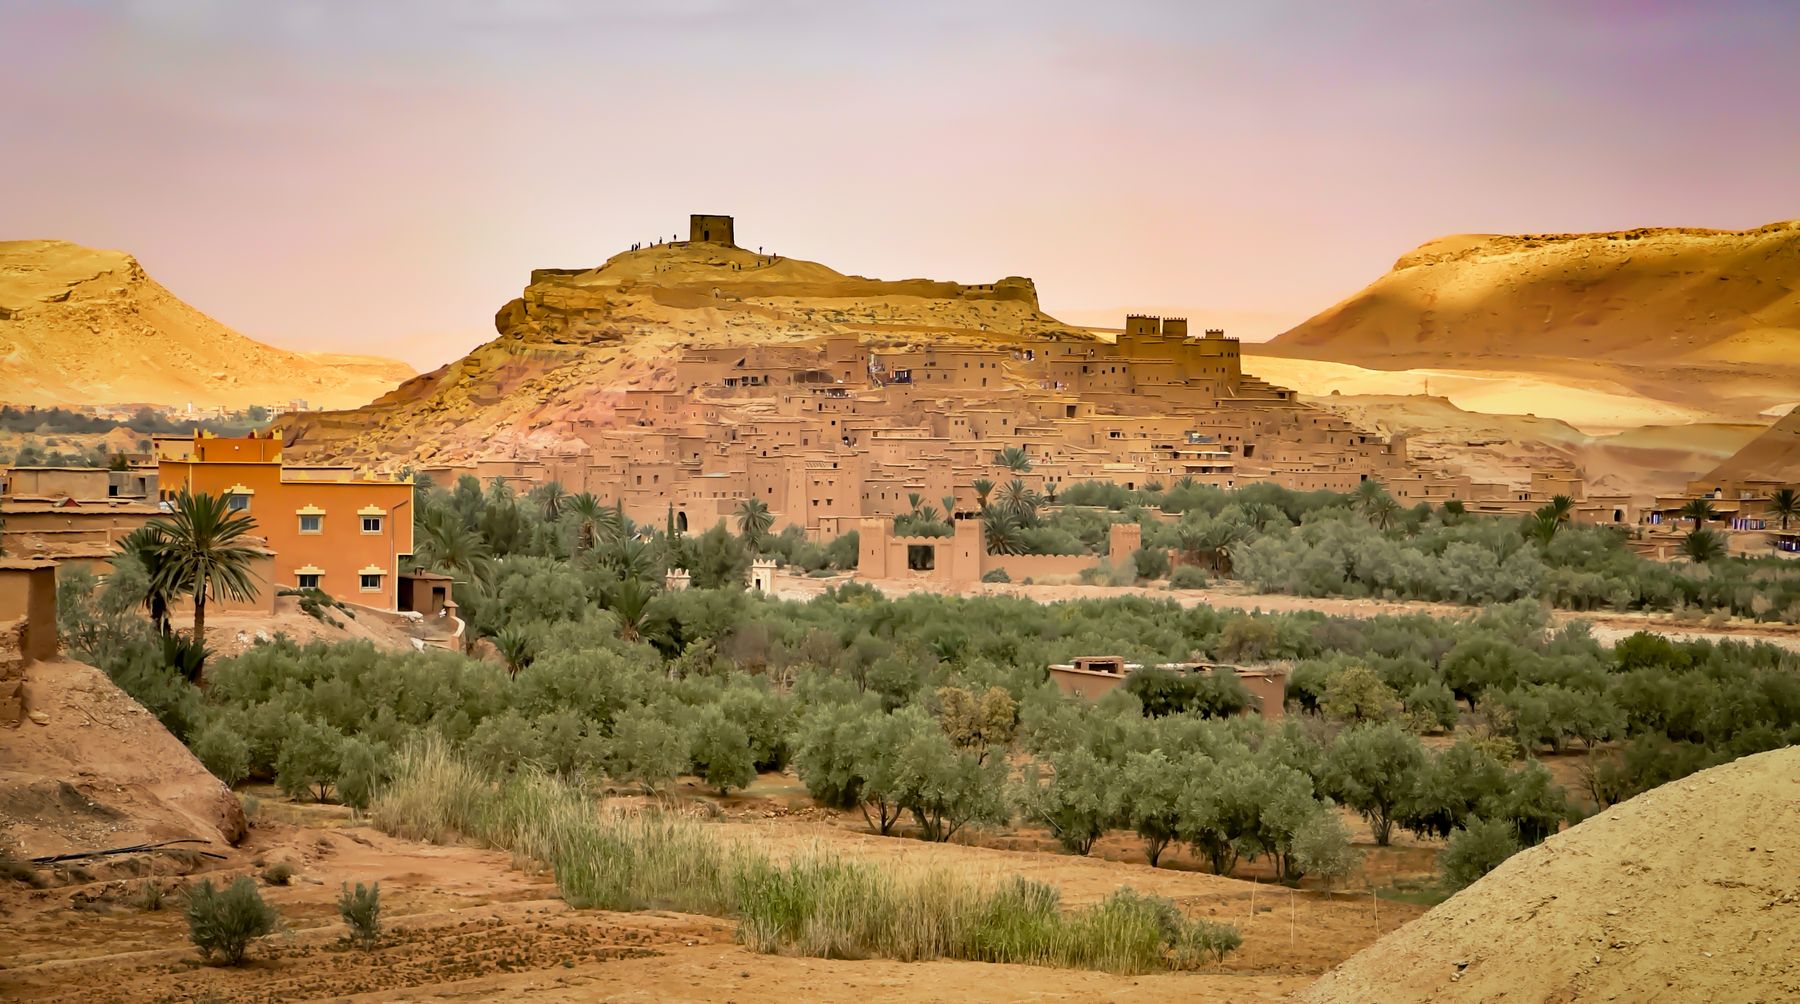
(380, 177)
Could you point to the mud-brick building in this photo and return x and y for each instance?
(327, 528)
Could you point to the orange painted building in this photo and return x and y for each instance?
(329, 529)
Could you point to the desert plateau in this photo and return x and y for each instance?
(754, 504)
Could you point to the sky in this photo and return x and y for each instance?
(381, 177)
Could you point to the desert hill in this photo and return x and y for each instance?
(86, 326)
(1703, 319)
(578, 337)
(1688, 892)
(1774, 455)
(91, 769)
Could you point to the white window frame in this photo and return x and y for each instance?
(318, 527)
(365, 524)
(301, 577)
(362, 582)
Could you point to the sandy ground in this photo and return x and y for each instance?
(1688, 892)
(465, 924)
(1607, 626)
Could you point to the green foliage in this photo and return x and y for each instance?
(1187, 577)
(1475, 850)
(223, 752)
(1078, 797)
(1321, 848)
(362, 768)
(720, 750)
(648, 747)
(1373, 769)
(309, 761)
(222, 923)
(1207, 694)
(361, 910)
(1150, 562)
(1357, 695)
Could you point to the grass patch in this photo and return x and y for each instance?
(814, 903)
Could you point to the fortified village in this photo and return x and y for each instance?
(726, 374)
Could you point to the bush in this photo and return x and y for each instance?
(361, 911)
(997, 575)
(279, 873)
(222, 923)
(1150, 562)
(1475, 850)
(1187, 577)
(223, 752)
(721, 751)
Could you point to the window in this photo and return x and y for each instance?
(310, 581)
(237, 503)
(921, 557)
(369, 583)
(312, 523)
(371, 524)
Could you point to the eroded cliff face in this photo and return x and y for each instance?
(578, 338)
(1697, 316)
(86, 326)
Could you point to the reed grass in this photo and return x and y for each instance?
(814, 902)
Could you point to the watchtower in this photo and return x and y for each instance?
(1175, 328)
(1142, 326)
(707, 229)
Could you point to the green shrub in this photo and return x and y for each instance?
(279, 873)
(223, 752)
(1187, 577)
(996, 575)
(1150, 562)
(222, 923)
(1475, 850)
(361, 911)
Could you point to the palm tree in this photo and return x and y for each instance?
(754, 520)
(1560, 508)
(1002, 530)
(1703, 546)
(949, 506)
(594, 521)
(913, 499)
(630, 603)
(516, 648)
(1699, 510)
(1014, 459)
(148, 547)
(1785, 502)
(1383, 511)
(1019, 501)
(1365, 494)
(551, 496)
(447, 545)
(982, 487)
(206, 553)
(1541, 527)
(629, 558)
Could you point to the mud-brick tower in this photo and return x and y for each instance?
(704, 229)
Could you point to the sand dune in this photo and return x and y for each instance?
(1702, 320)
(85, 326)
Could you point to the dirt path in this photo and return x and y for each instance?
(1608, 627)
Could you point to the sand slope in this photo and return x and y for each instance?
(85, 326)
(1689, 892)
(1706, 319)
(1773, 455)
(100, 772)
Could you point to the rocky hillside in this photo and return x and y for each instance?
(1706, 317)
(576, 337)
(1686, 893)
(84, 326)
